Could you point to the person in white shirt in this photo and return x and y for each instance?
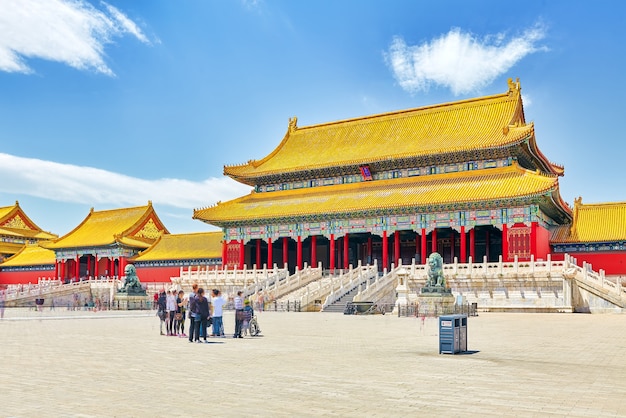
(170, 304)
(238, 301)
(217, 302)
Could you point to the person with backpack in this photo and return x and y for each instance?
(202, 313)
(192, 313)
(161, 309)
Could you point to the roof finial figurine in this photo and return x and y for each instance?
(293, 123)
(513, 86)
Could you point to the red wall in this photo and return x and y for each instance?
(157, 274)
(24, 277)
(613, 263)
(543, 243)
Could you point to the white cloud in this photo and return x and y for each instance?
(93, 186)
(459, 61)
(72, 32)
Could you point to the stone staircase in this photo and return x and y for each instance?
(340, 304)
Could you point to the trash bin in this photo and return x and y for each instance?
(452, 334)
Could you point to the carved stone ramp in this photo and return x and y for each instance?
(62, 294)
(592, 291)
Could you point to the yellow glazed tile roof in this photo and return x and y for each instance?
(487, 122)
(4, 211)
(441, 189)
(31, 255)
(599, 222)
(14, 222)
(106, 227)
(10, 247)
(200, 245)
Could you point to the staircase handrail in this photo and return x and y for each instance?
(355, 278)
(300, 278)
(381, 283)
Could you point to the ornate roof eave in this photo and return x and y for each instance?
(553, 205)
(400, 162)
(391, 211)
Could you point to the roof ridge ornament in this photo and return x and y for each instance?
(578, 201)
(514, 87)
(293, 124)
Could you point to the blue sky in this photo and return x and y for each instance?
(111, 104)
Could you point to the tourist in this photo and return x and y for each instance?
(171, 311)
(202, 313)
(248, 313)
(191, 309)
(179, 326)
(238, 301)
(217, 302)
(162, 309)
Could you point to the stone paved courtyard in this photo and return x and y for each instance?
(85, 364)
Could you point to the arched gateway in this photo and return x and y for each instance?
(464, 179)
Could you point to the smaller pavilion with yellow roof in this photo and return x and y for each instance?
(104, 241)
(17, 230)
(597, 235)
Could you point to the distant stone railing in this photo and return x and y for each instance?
(228, 279)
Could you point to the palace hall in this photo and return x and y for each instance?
(465, 179)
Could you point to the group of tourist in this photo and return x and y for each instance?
(204, 311)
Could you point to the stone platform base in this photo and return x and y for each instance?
(132, 302)
(436, 303)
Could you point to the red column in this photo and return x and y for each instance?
(332, 251)
(433, 244)
(63, 269)
(314, 251)
(270, 255)
(242, 254)
(473, 244)
(423, 246)
(224, 254)
(369, 250)
(505, 242)
(88, 272)
(95, 267)
(258, 254)
(122, 266)
(77, 268)
(463, 245)
(299, 253)
(285, 252)
(346, 251)
(533, 239)
(385, 251)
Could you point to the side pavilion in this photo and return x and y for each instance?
(104, 241)
(17, 230)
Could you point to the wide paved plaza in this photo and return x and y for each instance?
(85, 364)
